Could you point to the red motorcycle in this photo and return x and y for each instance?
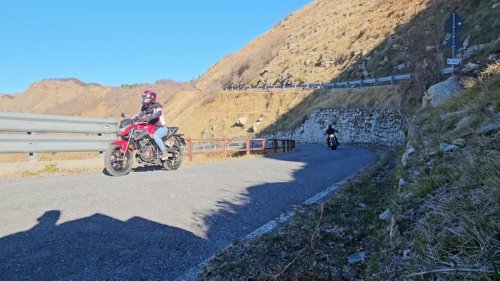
(136, 141)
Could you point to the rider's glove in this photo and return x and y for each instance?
(135, 119)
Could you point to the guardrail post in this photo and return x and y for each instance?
(284, 145)
(190, 149)
(247, 144)
(32, 157)
(264, 147)
(101, 153)
(275, 145)
(375, 83)
(224, 147)
(392, 79)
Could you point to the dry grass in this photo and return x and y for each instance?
(455, 221)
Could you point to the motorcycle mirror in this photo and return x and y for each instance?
(122, 115)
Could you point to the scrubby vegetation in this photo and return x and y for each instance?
(435, 218)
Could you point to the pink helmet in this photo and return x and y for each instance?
(148, 97)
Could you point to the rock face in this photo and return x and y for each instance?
(439, 93)
(361, 126)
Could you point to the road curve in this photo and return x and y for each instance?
(154, 225)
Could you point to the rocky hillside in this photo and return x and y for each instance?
(335, 39)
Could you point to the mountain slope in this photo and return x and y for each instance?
(324, 41)
(335, 39)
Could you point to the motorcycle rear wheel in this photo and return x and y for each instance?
(117, 163)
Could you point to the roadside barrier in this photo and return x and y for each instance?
(388, 80)
(41, 133)
(54, 133)
(225, 146)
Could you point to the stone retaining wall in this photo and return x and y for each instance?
(357, 125)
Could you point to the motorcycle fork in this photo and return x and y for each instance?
(128, 141)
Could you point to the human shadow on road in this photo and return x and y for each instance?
(98, 247)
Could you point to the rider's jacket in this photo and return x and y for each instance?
(330, 131)
(152, 113)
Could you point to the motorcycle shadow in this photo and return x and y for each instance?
(139, 170)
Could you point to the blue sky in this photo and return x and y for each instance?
(114, 42)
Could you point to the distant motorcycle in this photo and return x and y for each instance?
(332, 141)
(136, 141)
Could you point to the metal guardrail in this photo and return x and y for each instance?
(388, 80)
(54, 133)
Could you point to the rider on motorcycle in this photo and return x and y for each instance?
(330, 131)
(152, 113)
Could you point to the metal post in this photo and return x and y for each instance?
(247, 144)
(224, 147)
(453, 44)
(264, 147)
(190, 149)
(32, 157)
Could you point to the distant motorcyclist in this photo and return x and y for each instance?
(330, 131)
(152, 112)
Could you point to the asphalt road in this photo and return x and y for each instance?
(154, 224)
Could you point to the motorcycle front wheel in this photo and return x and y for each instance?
(117, 163)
